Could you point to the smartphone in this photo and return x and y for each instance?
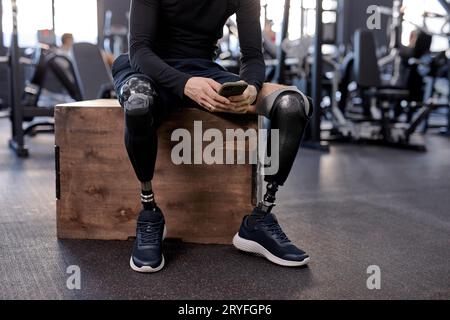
(231, 89)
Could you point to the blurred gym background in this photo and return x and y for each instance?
(369, 187)
(410, 39)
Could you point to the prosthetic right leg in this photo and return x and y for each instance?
(138, 98)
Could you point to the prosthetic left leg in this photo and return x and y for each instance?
(289, 111)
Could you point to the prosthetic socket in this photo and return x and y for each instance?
(289, 111)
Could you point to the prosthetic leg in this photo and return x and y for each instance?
(138, 98)
(289, 111)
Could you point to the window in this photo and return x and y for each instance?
(32, 16)
(414, 18)
(275, 9)
(76, 17)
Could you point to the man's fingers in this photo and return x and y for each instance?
(207, 106)
(214, 104)
(207, 103)
(237, 98)
(224, 102)
(243, 97)
(241, 108)
(220, 99)
(242, 103)
(239, 104)
(211, 108)
(214, 84)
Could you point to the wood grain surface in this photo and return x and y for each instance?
(99, 193)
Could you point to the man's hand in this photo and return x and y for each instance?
(244, 101)
(203, 91)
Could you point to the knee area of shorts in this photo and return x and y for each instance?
(137, 96)
(294, 104)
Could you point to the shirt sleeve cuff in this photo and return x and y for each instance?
(184, 78)
(256, 84)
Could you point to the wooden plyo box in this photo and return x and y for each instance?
(98, 193)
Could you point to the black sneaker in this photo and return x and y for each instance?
(261, 234)
(147, 253)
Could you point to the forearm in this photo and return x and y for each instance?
(253, 69)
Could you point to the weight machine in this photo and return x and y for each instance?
(84, 76)
(438, 61)
(313, 79)
(381, 101)
(20, 112)
(115, 36)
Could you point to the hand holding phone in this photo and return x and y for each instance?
(231, 89)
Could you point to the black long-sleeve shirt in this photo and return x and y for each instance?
(183, 29)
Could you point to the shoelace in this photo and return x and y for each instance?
(149, 232)
(276, 230)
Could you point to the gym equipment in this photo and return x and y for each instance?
(228, 54)
(47, 37)
(25, 100)
(435, 70)
(4, 82)
(407, 68)
(394, 36)
(378, 123)
(93, 76)
(290, 69)
(19, 112)
(83, 77)
(281, 54)
(115, 36)
(436, 67)
(314, 139)
(48, 63)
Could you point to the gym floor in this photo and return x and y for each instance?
(354, 207)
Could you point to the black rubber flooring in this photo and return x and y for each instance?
(354, 207)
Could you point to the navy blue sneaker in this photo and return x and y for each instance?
(147, 253)
(261, 234)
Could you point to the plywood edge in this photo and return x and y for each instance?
(100, 103)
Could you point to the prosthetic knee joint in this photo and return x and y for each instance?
(137, 96)
(290, 99)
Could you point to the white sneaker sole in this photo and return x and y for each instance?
(254, 247)
(147, 269)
